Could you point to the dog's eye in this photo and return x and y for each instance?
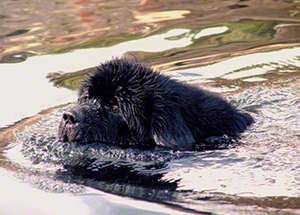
(115, 109)
(83, 98)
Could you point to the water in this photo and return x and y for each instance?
(248, 51)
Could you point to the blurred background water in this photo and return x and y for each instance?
(248, 50)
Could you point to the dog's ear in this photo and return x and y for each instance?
(83, 95)
(167, 129)
(173, 133)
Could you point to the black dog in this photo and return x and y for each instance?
(126, 103)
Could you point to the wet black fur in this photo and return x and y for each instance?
(151, 109)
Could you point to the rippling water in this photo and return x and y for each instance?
(246, 50)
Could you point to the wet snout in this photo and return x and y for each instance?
(71, 117)
(69, 123)
(88, 122)
(78, 123)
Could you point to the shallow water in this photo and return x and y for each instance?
(247, 50)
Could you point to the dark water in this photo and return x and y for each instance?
(247, 50)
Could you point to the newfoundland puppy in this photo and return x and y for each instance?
(128, 104)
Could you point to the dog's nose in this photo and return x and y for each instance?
(71, 117)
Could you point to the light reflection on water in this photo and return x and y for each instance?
(39, 202)
(244, 66)
(33, 100)
(160, 16)
(222, 45)
(255, 169)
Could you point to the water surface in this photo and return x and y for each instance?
(246, 50)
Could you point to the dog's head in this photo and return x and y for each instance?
(90, 121)
(110, 104)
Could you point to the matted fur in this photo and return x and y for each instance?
(152, 108)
